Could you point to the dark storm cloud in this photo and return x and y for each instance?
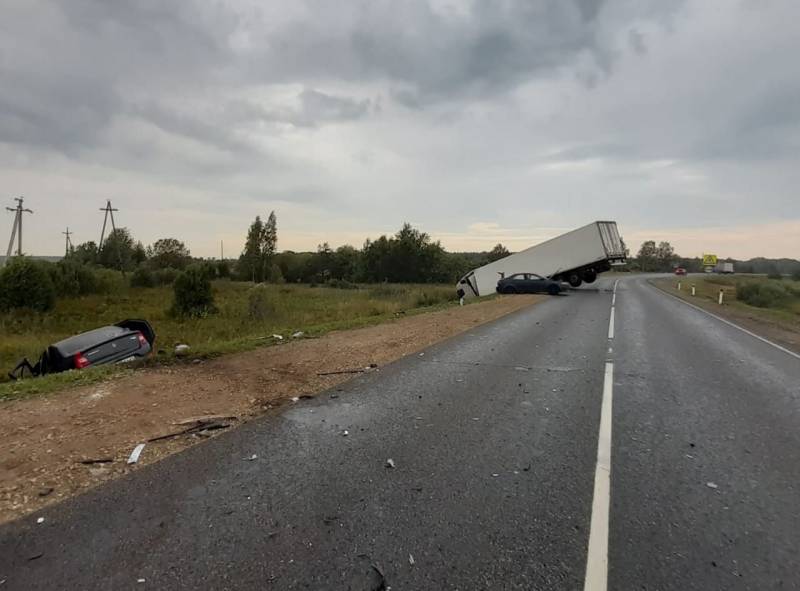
(79, 65)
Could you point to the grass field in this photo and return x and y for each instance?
(290, 308)
(779, 301)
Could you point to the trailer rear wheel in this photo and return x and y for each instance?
(574, 280)
(509, 289)
(590, 276)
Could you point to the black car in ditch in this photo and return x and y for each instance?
(528, 283)
(125, 341)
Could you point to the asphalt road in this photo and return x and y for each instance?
(494, 438)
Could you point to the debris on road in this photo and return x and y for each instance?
(205, 418)
(411, 560)
(140, 580)
(712, 485)
(380, 584)
(40, 520)
(251, 458)
(277, 337)
(137, 451)
(340, 372)
(181, 350)
(345, 433)
(200, 426)
(390, 463)
(298, 334)
(295, 398)
(91, 461)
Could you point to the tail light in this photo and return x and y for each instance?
(142, 340)
(81, 361)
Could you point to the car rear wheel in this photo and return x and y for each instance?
(509, 289)
(574, 280)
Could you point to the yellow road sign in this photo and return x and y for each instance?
(709, 260)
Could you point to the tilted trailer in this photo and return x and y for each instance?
(576, 257)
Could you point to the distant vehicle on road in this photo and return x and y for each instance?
(724, 268)
(528, 283)
(125, 341)
(575, 257)
(680, 271)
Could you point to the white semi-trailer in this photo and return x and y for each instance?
(575, 257)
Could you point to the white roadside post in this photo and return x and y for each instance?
(721, 293)
(679, 285)
(693, 290)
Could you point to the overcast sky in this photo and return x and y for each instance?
(479, 122)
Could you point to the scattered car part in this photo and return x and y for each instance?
(137, 451)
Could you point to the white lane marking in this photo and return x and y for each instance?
(597, 559)
(611, 324)
(729, 323)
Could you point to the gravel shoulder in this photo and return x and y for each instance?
(48, 440)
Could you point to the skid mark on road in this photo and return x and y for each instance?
(597, 555)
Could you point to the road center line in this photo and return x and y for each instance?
(597, 558)
(611, 324)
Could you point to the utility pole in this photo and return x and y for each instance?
(221, 251)
(109, 213)
(69, 242)
(16, 229)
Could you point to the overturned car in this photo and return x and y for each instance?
(123, 342)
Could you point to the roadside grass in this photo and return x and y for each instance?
(312, 310)
(779, 301)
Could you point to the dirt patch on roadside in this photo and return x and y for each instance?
(785, 333)
(46, 439)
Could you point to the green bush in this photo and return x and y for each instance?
(762, 295)
(260, 303)
(26, 284)
(223, 269)
(193, 295)
(165, 276)
(431, 297)
(341, 284)
(775, 275)
(72, 278)
(796, 275)
(109, 281)
(143, 277)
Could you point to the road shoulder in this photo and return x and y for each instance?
(49, 439)
(785, 334)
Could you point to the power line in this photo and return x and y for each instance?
(16, 229)
(68, 245)
(109, 213)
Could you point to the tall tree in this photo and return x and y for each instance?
(250, 264)
(139, 253)
(117, 250)
(268, 244)
(169, 252)
(665, 254)
(497, 253)
(647, 255)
